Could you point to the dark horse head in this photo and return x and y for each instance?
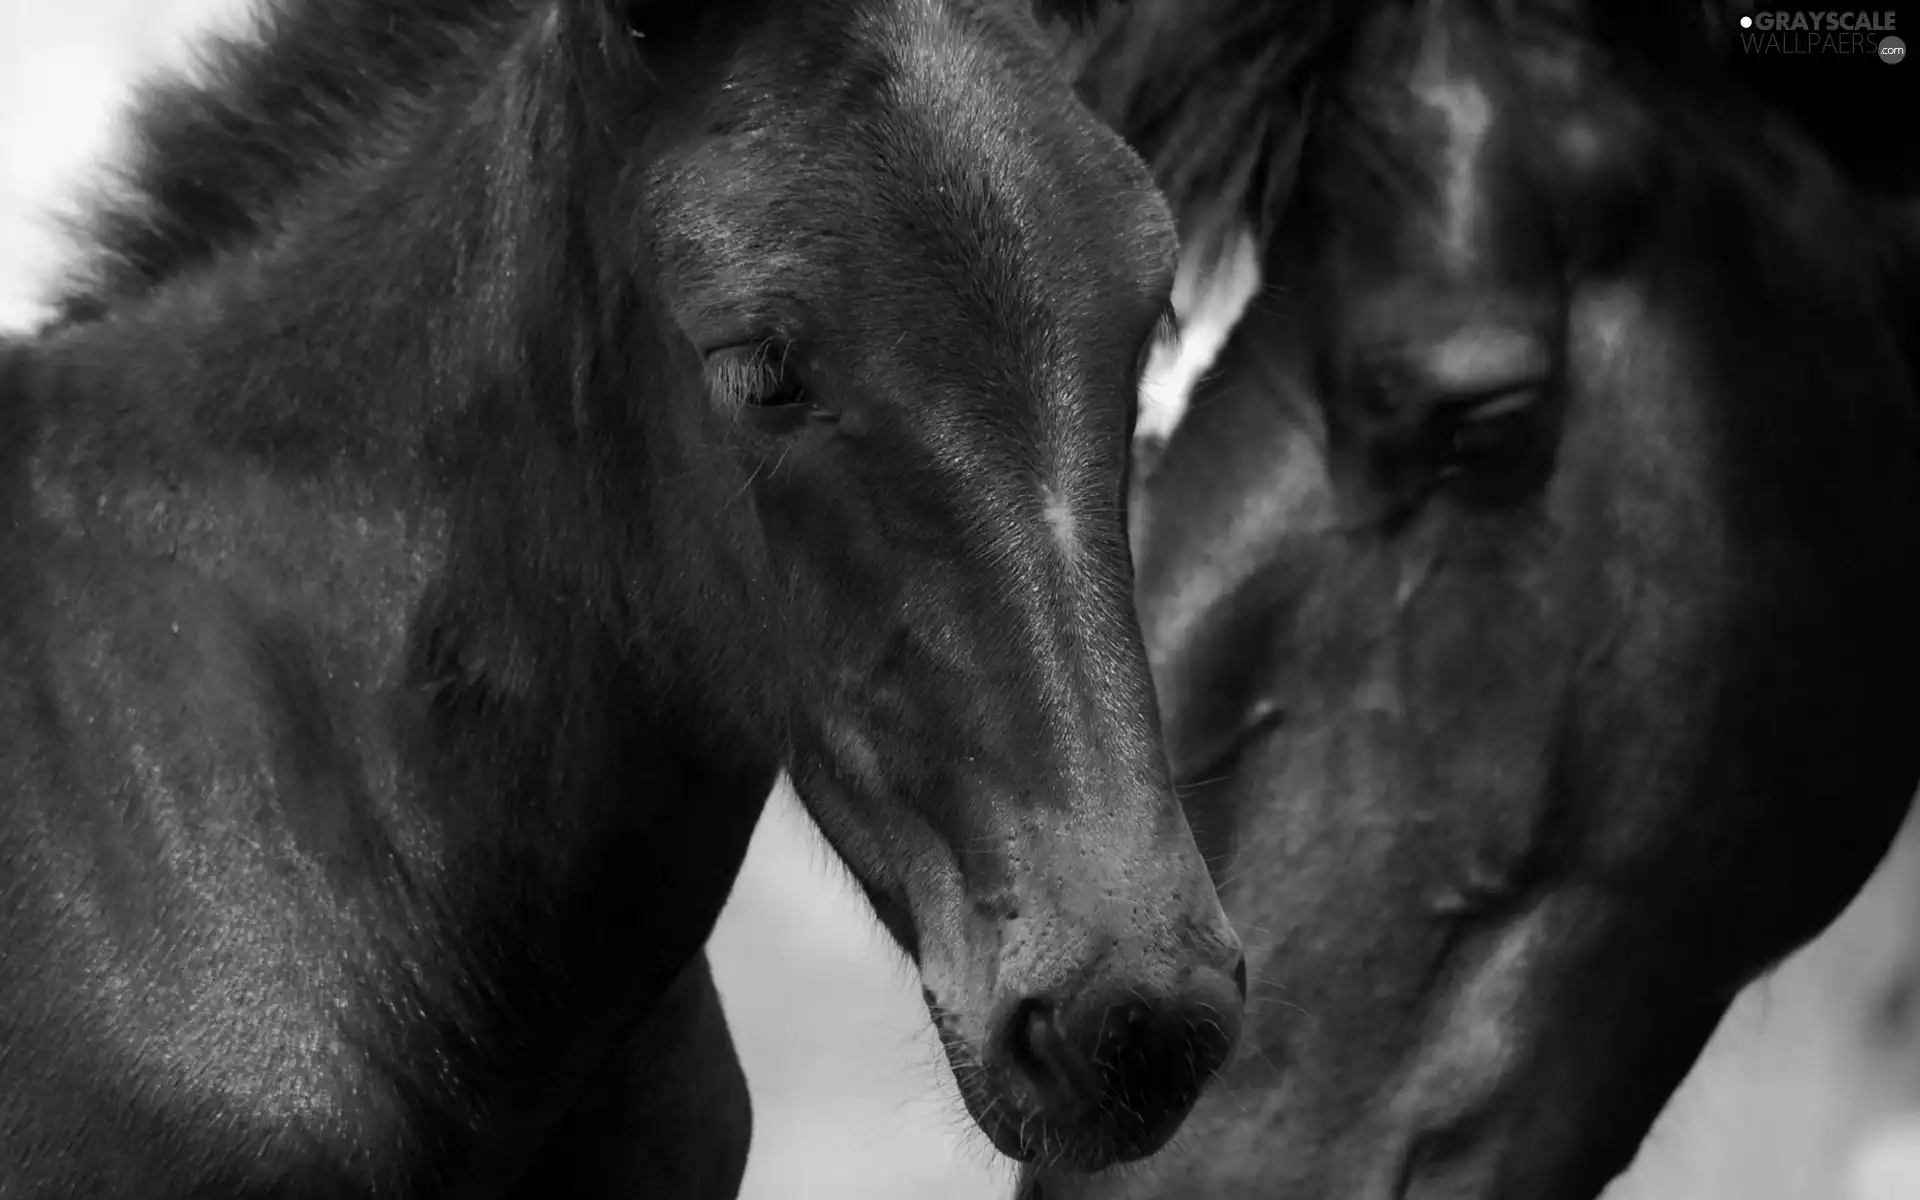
(1531, 587)
(498, 438)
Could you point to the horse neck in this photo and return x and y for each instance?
(368, 303)
(413, 345)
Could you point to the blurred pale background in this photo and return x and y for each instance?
(1811, 1091)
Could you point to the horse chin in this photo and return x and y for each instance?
(1017, 1130)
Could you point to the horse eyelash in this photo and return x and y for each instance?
(740, 377)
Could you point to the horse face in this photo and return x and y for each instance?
(1530, 602)
(920, 396)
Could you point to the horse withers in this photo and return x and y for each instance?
(489, 441)
(1530, 587)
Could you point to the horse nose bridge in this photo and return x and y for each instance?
(1069, 713)
(1108, 790)
(1120, 884)
(1090, 665)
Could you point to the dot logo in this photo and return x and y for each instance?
(1746, 22)
(1892, 50)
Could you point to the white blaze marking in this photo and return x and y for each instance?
(1060, 519)
(1468, 117)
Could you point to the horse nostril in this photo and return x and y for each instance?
(1240, 977)
(1125, 1029)
(1039, 1051)
(1031, 1036)
(1113, 1061)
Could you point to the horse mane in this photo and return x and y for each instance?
(211, 158)
(1218, 95)
(1215, 95)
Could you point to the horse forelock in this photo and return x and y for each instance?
(1218, 95)
(1002, 186)
(1214, 94)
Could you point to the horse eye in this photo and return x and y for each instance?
(756, 376)
(1485, 433)
(763, 389)
(778, 390)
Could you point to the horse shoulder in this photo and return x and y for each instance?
(190, 830)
